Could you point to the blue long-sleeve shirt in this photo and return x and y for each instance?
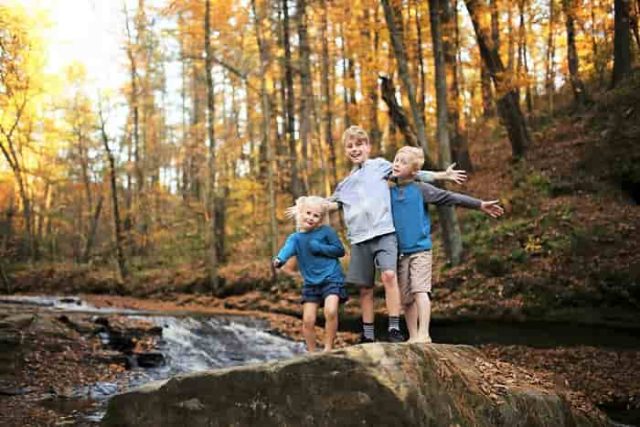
(411, 215)
(317, 252)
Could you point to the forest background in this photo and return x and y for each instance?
(178, 181)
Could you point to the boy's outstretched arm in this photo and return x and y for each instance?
(438, 196)
(492, 208)
(456, 175)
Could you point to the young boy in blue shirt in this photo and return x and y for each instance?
(317, 249)
(409, 201)
(364, 199)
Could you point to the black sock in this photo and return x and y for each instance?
(394, 322)
(367, 330)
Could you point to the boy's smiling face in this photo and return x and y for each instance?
(403, 167)
(357, 149)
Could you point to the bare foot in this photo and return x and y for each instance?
(423, 340)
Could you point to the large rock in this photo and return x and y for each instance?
(373, 384)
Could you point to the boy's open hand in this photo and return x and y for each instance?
(492, 208)
(330, 206)
(456, 175)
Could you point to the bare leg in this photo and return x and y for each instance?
(411, 318)
(424, 316)
(309, 310)
(391, 292)
(330, 320)
(366, 304)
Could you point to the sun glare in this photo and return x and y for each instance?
(88, 32)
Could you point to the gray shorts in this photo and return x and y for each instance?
(378, 253)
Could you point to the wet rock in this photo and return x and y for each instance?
(70, 300)
(79, 325)
(12, 343)
(374, 384)
(110, 357)
(151, 359)
(14, 391)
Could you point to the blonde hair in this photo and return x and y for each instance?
(354, 132)
(296, 210)
(415, 154)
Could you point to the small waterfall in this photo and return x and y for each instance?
(188, 344)
(199, 343)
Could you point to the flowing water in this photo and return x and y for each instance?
(188, 343)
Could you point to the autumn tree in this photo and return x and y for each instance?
(508, 104)
(115, 206)
(20, 60)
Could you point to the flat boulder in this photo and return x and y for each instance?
(371, 384)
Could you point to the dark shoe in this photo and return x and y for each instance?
(365, 340)
(395, 335)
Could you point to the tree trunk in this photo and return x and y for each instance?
(10, 153)
(371, 35)
(213, 253)
(579, 91)
(393, 16)
(327, 117)
(487, 96)
(508, 107)
(399, 117)
(634, 17)
(450, 45)
(421, 73)
(296, 185)
(266, 120)
(93, 227)
(135, 112)
(523, 67)
(621, 43)
(448, 219)
(510, 40)
(488, 107)
(345, 78)
(307, 115)
(122, 262)
(4, 278)
(550, 58)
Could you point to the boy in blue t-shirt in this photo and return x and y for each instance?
(317, 249)
(409, 201)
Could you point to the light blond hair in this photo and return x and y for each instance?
(354, 132)
(415, 155)
(296, 210)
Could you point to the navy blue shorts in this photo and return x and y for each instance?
(318, 293)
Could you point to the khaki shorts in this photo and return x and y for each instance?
(414, 275)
